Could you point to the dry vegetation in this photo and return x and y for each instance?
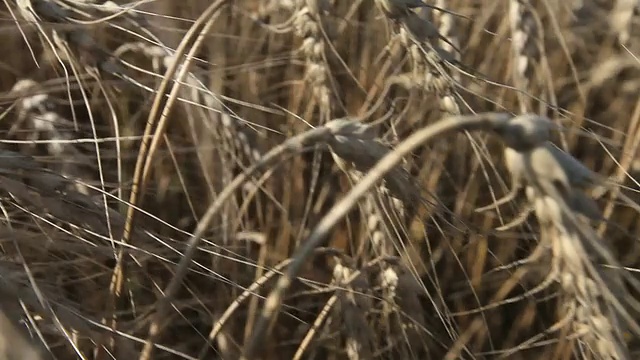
(309, 179)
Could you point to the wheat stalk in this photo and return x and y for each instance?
(307, 23)
(45, 124)
(352, 305)
(621, 19)
(554, 181)
(526, 48)
(385, 165)
(447, 28)
(429, 66)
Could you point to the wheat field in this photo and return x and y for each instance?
(319, 179)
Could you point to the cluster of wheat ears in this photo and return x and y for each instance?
(319, 179)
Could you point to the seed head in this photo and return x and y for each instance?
(525, 132)
(395, 9)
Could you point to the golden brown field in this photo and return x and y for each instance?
(312, 179)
